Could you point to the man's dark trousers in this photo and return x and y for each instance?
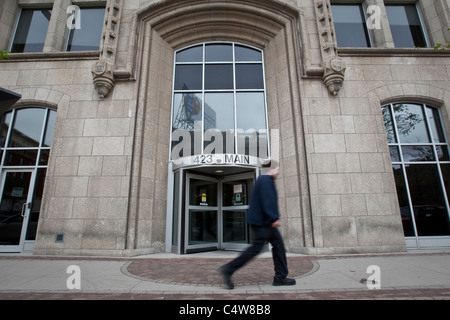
(262, 235)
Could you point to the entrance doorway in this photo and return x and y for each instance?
(25, 139)
(17, 221)
(215, 210)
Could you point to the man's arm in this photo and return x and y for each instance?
(270, 202)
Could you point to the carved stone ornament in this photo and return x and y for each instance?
(103, 69)
(333, 66)
(334, 72)
(103, 77)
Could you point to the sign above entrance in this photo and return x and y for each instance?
(220, 159)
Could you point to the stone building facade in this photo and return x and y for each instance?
(109, 151)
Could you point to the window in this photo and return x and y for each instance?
(31, 30)
(88, 37)
(406, 27)
(421, 163)
(25, 136)
(350, 25)
(25, 140)
(219, 99)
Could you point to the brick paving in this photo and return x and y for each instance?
(394, 294)
(204, 271)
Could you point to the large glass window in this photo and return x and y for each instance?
(31, 30)
(25, 140)
(25, 136)
(406, 27)
(219, 101)
(350, 25)
(89, 35)
(421, 161)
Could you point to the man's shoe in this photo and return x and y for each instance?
(226, 278)
(283, 282)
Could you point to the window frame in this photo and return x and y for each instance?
(421, 21)
(71, 31)
(403, 164)
(203, 91)
(363, 7)
(16, 27)
(39, 149)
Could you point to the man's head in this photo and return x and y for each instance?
(273, 170)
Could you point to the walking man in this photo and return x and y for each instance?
(263, 217)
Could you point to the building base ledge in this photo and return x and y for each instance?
(348, 250)
(94, 252)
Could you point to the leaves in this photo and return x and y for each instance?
(4, 54)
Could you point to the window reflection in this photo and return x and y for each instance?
(4, 127)
(188, 77)
(218, 76)
(250, 111)
(249, 76)
(31, 135)
(20, 157)
(31, 30)
(202, 227)
(36, 204)
(29, 138)
(218, 52)
(228, 102)
(27, 128)
(421, 169)
(402, 194)
(429, 207)
(418, 153)
(411, 124)
(194, 54)
(219, 112)
(387, 117)
(405, 26)
(435, 125)
(247, 54)
(89, 36)
(48, 137)
(350, 26)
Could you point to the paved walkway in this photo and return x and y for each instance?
(173, 277)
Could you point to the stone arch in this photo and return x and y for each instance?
(415, 93)
(166, 26)
(41, 96)
(252, 22)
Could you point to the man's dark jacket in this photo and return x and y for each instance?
(263, 209)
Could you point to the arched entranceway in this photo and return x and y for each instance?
(170, 26)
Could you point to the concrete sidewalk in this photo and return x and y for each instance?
(169, 276)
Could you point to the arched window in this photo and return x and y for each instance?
(421, 163)
(219, 103)
(25, 140)
(25, 136)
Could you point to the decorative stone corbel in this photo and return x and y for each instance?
(103, 70)
(102, 73)
(333, 76)
(333, 66)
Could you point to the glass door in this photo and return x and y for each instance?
(235, 192)
(15, 208)
(202, 213)
(215, 212)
